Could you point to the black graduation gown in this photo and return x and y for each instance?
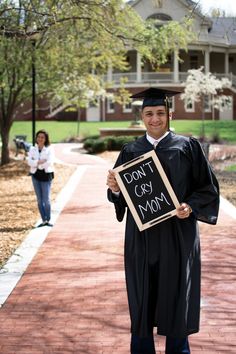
(162, 263)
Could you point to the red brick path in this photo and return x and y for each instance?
(72, 298)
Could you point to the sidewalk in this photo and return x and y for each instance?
(72, 297)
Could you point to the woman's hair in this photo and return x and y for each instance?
(42, 131)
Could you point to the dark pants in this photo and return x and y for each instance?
(146, 345)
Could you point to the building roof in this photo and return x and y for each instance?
(223, 28)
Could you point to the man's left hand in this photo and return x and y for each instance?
(183, 211)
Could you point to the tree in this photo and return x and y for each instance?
(200, 85)
(76, 42)
(217, 12)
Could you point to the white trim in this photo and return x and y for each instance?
(127, 110)
(109, 109)
(138, 67)
(176, 66)
(207, 60)
(172, 100)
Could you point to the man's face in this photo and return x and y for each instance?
(155, 120)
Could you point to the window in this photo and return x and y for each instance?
(226, 103)
(93, 104)
(189, 106)
(172, 104)
(194, 62)
(127, 108)
(160, 19)
(207, 105)
(110, 106)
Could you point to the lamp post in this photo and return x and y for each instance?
(33, 91)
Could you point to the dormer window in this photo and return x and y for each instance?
(160, 19)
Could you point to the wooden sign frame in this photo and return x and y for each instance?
(152, 157)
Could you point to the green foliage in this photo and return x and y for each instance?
(110, 143)
(95, 145)
(73, 43)
(164, 39)
(215, 138)
(115, 143)
(225, 129)
(231, 168)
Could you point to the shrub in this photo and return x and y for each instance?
(111, 143)
(88, 145)
(94, 146)
(215, 138)
(91, 137)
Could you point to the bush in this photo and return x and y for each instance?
(99, 146)
(88, 144)
(91, 137)
(215, 138)
(110, 143)
(94, 146)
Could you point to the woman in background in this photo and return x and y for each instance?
(41, 158)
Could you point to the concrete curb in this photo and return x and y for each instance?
(228, 208)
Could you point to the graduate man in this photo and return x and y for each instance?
(162, 263)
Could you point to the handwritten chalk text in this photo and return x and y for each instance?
(153, 205)
(138, 174)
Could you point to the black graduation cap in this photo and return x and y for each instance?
(155, 97)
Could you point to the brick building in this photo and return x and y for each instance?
(215, 49)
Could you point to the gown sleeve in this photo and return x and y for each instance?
(204, 199)
(118, 200)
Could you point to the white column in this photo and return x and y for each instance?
(138, 67)
(226, 63)
(207, 60)
(176, 66)
(109, 73)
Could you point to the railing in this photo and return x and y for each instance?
(229, 76)
(146, 77)
(116, 77)
(159, 77)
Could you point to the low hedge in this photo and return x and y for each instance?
(111, 143)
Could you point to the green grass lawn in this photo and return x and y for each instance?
(231, 168)
(60, 131)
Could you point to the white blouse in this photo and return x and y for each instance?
(47, 153)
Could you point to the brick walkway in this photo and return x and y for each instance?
(72, 297)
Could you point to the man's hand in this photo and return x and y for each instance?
(183, 211)
(111, 181)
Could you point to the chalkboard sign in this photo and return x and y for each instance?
(146, 190)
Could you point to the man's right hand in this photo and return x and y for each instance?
(111, 182)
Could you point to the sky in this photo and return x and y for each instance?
(229, 6)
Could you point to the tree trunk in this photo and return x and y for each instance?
(203, 118)
(78, 121)
(5, 155)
